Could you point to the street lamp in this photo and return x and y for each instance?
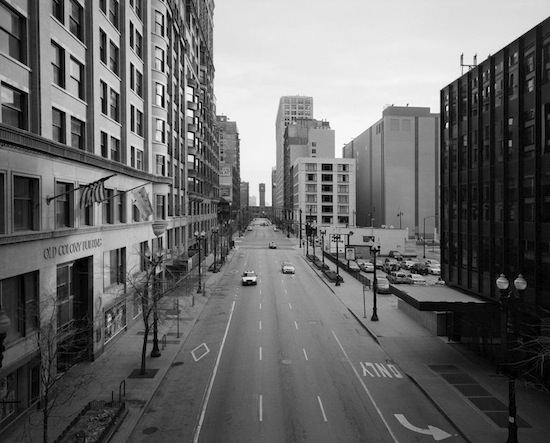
(4, 326)
(300, 228)
(349, 235)
(216, 231)
(507, 303)
(198, 237)
(424, 240)
(159, 227)
(323, 232)
(400, 215)
(313, 231)
(337, 238)
(374, 250)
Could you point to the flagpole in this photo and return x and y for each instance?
(124, 192)
(49, 199)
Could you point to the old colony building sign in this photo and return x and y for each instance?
(71, 248)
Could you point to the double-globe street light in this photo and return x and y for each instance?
(337, 238)
(215, 231)
(159, 227)
(323, 232)
(374, 250)
(198, 237)
(508, 300)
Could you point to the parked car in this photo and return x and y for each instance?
(399, 277)
(407, 263)
(417, 279)
(396, 254)
(272, 245)
(420, 268)
(367, 266)
(249, 278)
(353, 266)
(288, 268)
(434, 269)
(379, 263)
(431, 261)
(382, 285)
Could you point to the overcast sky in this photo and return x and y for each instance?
(352, 56)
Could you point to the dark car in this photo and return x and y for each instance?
(419, 268)
(396, 254)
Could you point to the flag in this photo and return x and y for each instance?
(142, 202)
(93, 193)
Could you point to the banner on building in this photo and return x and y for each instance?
(143, 203)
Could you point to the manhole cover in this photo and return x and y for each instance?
(177, 363)
(149, 431)
(286, 362)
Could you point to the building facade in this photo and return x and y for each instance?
(230, 161)
(495, 169)
(290, 109)
(261, 189)
(324, 192)
(114, 94)
(398, 171)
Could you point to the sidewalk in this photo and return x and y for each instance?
(110, 373)
(464, 388)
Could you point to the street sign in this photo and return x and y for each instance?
(350, 253)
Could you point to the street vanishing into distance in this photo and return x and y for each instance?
(284, 361)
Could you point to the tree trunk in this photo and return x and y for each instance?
(143, 371)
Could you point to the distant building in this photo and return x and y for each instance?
(230, 161)
(324, 192)
(245, 192)
(262, 194)
(495, 183)
(290, 109)
(253, 200)
(398, 171)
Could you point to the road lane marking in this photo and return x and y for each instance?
(261, 407)
(295, 324)
(260, 325)
(260, 353)
(436, 433)
(366, 389)
(212, 378)
(289, 305)
(286, 292)
(380, 370)
(260, 306)
(305, 354)
(206, 351)
(322, 409)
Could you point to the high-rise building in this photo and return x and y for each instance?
(261, 188)
(290, 109)
(230, 162)
(495, 184)
(398, 171)
(115, 94)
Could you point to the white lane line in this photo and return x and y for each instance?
(286, 292)
(322, 409)
(289, 305)
(260, 306)
(305, 354)
(366, 389)
(261, 407)
(212, 378)
(260, 353)
(260, 325)
(295, 324)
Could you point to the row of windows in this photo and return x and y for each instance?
(27, 204)
(73, 80)
(310, 167)
(312, 198)
(59, 130)
(326, 209)
(342, 178)
(341, 189)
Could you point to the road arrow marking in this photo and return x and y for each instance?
(436, 433)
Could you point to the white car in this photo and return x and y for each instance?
(434, 269)
(417, 279)
(431, 261)
(353, 266)
(249, 278)
(288, 268)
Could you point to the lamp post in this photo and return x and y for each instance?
(424, 241)
(216, 231)
(400, 215)
(313, 231)
(4, 326)
(347, 247)
(300, 228)
(199, 236)
(337, 238)
(374, 250)
(159, 226)
(323, 232)
(507, 303)
(308, 228)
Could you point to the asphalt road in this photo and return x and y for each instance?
(284, 361)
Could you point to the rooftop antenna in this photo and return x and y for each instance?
(462, 65)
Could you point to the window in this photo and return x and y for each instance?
(139, 159)
(343, 168)
(77, 134)
(159, 94)
(115, 149)
(326, 177)
(159, 59)
(343, 189)
(57, 10)
(12, 33)
(104, 142)
(19, 296)
(65, 296)
(343, 178)
(121, 207)
(160, 206)
(25, 204)
(326, 167)
(113, 13)
(76, 85)
(58, 65)
(160, 134)
(76, 15)
(107, 207)
(139, 83)
(102, 46)
(117, 266)
(103, 96)
(138, 7)
(14, 107)
(115, 105)
(139, 122)
(132, 34)
(311, 177)
(160, 164)
(113, 57)
(159, 23)
(86, 215)
(139, 45)
(58, 126)
(64, 206)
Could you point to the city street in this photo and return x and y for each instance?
(284, 361)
